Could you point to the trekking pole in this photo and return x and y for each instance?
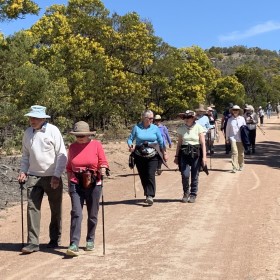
(103, 211)
(174, 169)
(209, 146)
(103, 216)
(263, 132)
(21, 186)
(134, 184)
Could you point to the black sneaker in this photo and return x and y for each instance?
(149, 200)
(53, 244)
(192, 198)
(185, 197)
(30, 248)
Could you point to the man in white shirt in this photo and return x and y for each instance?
(43, 161)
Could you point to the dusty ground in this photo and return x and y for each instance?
(231, 232)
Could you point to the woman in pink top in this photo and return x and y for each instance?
(86, 164)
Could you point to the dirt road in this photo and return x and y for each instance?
(231, 232)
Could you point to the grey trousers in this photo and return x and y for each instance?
(79, 195)
(36, 187)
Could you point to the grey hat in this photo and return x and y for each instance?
(38, 112)
(81, 128)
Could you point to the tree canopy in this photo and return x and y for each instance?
(14, 9)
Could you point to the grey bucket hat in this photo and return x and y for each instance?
(81, 128)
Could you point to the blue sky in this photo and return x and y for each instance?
(204, 23)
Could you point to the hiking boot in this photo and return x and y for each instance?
(185, 197)
(192, 198)
(89, 246)
(149, 200)
(52, 244)
(234, 170)
(240, 167)
(30, 248)
(73, 250)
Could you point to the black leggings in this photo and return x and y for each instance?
(252, 137)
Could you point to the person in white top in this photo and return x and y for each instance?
(233, 136)
(43, 161)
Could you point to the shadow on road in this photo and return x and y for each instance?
(16, 247)
(139, 202)
(267, 153)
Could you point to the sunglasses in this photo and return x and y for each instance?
(149, 118)
(80, 136)
(188, 117)
(235, 110)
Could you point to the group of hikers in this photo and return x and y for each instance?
(44, 159)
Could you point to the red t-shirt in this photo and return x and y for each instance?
(87, 155)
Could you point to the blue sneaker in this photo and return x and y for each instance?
(89, 246)
(72, 250)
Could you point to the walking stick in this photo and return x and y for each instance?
(263, 132)
(209, 146)
(103, 212)
(21, 186)
(103, 219)
(134, 183)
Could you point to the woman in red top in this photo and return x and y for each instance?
(86, 164)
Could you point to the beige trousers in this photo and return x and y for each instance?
(237, 154)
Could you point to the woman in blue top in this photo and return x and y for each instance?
(147, 152)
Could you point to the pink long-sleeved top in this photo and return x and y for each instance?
(87, 155)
